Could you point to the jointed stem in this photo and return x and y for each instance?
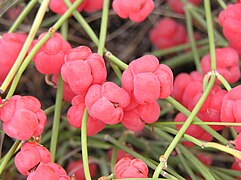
(210, 33)
(187, 123)
(8, 156)
(84, 145)
(192, 38)
(21, 17)
(28, 59)
(57, 114)
(37, 21)
(94, 38)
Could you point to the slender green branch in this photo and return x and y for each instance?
(223, 81)
(113, 158)
(204, 144)
(192, 38)
(8, 156)
(230, 172)
(94, 38)
(171, 123)
(185, 126)
(103, 28)
(184, 58)
(186, 166)
(49, 109)
(129, 151)
(84, 145)
(23, 14)
(133, 153)
(203, 23)
(195, 162)
(38, 46)
(208, 14)
(50, 20)
(57, 114)
(222, 4)
(37, 21)
(177, 48)
(185, 111)
(222, 175)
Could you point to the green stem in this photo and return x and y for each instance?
(23, 14)
(121, 140)
(95, 39)
(116, 70)
(195, 162)
(51, 20)
(203, 23)
(186, 166)
(223, 81)
(84, 146)
(233, 132)
(8, 156)
(203, 144)
(184, 58)
(37, 21)
(185, 111)
(185, 126)
(38, 46)
(208, 14)
(64, 30)
(230, 172)
(223, 175)
(222, 4)
(129, 151)
(49, 109)
(56, 122)
(192, 39)
(159, 124)
(103, 28)
(113, 59)
(177, 48)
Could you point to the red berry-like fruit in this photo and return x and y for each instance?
(10, 46)
(82, 69)
(76, 168)
(29, 157)
(147, 80)
(59, 7)
(230, 110)
(229, 20)
(227, 64)
(181, 82)
(75, 115)
(22, 117)
(136, 10)
(177, 5)
(92, 6)
(50, 57)
(173, 34)
(130, 168)
(237, 142)
(136, 118)
(120, 154)
(48, 171)
(106, 102)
